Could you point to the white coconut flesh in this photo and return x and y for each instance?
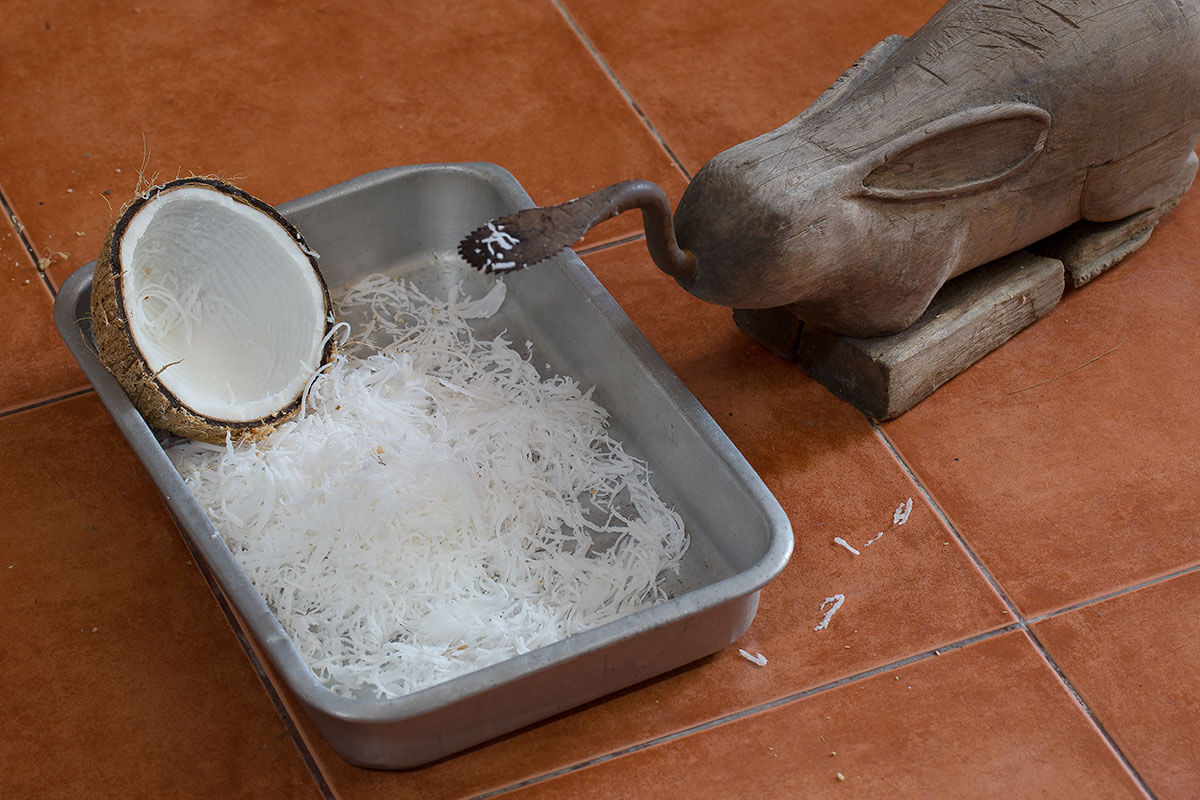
(223, 303)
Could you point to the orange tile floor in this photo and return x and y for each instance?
(1031, 631)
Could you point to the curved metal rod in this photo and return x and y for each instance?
(527, 237)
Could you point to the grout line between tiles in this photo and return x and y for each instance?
(758, 709)
(43, 403)
(950, 526)
(1033, 620)
(30, 250)
(310, 761)
(612, 76)
(1090, 714)
(1114, 594)
(1022, 622)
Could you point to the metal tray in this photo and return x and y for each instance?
(407, 221)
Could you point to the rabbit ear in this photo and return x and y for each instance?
(961, 153)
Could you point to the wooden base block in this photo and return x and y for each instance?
(1088, 249)
(971, 316)
(884, 377)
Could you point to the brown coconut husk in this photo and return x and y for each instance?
(114, 342)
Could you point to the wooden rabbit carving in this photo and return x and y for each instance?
(995, 125)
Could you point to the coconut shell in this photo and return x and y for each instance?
(114, 342)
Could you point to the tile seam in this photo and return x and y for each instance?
(43, 403)
(1036, 618)
(30, 250)
(612, 76)
(1022, 622)
(1091, 715)
(1124, 590)
(770, 705)
(941, 514)
(305, 753)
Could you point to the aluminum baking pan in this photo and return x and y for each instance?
(407, 221)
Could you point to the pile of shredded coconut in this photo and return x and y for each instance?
(439, 506)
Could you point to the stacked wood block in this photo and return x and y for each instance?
(972, 315)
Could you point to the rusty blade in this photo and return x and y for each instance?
(522, 239)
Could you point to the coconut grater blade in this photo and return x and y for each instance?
(519, 240)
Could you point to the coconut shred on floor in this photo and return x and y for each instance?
(438, 505)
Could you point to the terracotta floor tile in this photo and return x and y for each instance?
(911, 591)
(709, 74)
(121, 675)
(38, 365)
(1065, 457)
(1133, 660)
(990, 720)
(297, 97)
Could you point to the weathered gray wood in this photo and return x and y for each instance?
(882, 236)
(1088, 249)
(777, 329)
(997, 124)
(994, 126)
(970, 317)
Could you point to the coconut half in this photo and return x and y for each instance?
(209, 310)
